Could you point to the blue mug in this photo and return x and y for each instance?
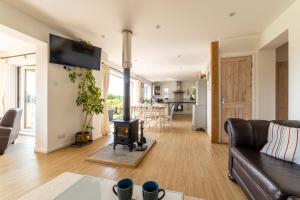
(124, 189)
(151, 191)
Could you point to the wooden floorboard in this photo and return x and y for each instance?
(181, 160)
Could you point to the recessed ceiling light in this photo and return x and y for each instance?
(158, 26)
(179, 56)
(232, 14)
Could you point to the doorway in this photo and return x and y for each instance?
(27, 98)
(236, 90)
(282, 82)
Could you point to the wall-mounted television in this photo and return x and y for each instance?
(68, 52)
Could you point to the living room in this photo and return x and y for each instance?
(164, 50)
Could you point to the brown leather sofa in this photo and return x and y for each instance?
(9, 128)
(262, 177)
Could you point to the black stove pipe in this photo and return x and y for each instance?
(126, 63)
(126, 100)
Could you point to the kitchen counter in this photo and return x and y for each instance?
(186, 105)
(179, 102)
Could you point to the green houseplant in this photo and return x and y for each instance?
(88, 98)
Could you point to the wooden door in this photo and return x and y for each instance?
(282, 91)
(236, 90)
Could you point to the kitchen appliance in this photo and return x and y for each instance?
(199, 119)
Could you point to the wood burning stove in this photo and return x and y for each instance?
(126, 130)
(126, 133)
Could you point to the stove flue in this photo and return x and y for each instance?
(126, 130)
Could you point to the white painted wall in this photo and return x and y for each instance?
(288, 21)
(58, 117)
(57, 113)
(16, 24)
(266, 82)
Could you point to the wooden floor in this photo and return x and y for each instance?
(181, 160)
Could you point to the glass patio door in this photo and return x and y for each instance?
(27, 99)
(30, 99)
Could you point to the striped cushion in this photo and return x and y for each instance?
(283, 143)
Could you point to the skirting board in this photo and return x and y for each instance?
(50, 150)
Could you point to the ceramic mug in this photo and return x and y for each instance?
(124, 189)
(151, 191)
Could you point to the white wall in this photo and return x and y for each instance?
(16, 24)
(58, 118)
(266, 82)
(288, 21)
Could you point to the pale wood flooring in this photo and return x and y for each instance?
(181, 160)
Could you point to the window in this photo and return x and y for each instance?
(166, 93)
(116, 93)
(115, 96)
(133, 92)
(147, 91)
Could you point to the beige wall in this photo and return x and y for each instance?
(282, 53)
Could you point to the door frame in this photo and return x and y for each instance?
(276, 88)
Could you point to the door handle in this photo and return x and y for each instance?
(223, 100)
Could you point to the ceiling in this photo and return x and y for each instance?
(176, 51)
(11, 46)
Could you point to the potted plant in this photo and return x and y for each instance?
(88, 98)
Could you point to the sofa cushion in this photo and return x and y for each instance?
(278, 178)
(283, 143)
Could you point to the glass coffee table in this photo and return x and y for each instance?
(78, 187)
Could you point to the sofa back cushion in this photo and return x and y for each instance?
(260, 133)
(283, 143)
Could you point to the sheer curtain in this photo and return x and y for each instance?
(138, 89)
(2, 82)
(104, 85)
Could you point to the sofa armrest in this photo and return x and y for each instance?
(240, 132)
(5, 131)
(4, 138)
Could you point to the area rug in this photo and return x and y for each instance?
(121, 156)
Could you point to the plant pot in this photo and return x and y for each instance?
(82, 137)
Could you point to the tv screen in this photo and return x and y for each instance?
(72, 53)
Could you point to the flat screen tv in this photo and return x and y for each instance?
(73, 53)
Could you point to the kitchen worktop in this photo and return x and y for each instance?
(172, 100)
(191, 101)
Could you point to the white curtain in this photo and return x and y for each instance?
(2, 82)
(104, 85)
(138, 88)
